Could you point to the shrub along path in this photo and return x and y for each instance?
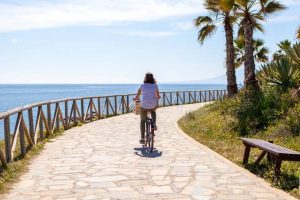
(102, 160)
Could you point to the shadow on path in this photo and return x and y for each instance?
(144, 152)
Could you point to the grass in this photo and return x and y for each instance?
(211, 127)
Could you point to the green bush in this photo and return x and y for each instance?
(248, 111)
(282, 74)
(293, 120)
(228, 107)
(255, 110)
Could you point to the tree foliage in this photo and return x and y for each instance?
(260, 51)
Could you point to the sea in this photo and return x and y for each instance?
(16, 95)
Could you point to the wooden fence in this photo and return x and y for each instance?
(25, 126)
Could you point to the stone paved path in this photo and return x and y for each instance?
(98, 161)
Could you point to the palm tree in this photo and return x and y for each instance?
(292, 51)
(220, 11)
(298, 33)
(260, 52)
(251, 13)
(294, 54)
(283, 46)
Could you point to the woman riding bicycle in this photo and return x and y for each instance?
(150, 94)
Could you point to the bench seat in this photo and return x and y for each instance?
(282, 152)
(275, 153)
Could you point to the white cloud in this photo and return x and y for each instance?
(154, 34)
(44, 14)
(14, 41)
(184, 25)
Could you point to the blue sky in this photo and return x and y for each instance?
(105, 41)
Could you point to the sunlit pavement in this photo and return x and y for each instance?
(103, 160)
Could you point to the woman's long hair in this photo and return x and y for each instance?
(149, 78)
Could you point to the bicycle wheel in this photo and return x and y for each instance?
(148, 129)
(151, 136)
(151, 145)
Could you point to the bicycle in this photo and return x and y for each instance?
(149, 129)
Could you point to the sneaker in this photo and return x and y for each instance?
(142, 141)
(155, 127)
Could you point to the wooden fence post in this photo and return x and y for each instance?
(7, 139)
(82, 110)
(66, 114)
(22, 137)
(57, 116)
(107, 108)
(74, 112)
(41, 125)
(99, 107)
(91, 109)
(31, 127)
(116, 105)
(123, 104)
(127, 105)
(49, 121)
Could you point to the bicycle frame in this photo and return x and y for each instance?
(149, 131)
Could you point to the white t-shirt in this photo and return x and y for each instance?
(149, 98)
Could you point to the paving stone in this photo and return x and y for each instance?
(103, 160)
(81, 184)
(157, 189)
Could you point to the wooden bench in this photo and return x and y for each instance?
(276, 154)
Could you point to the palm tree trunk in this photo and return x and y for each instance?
(250, 79)
(230, 72)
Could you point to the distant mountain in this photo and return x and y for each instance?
(219, 79)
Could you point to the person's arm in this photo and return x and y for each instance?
(138, 94)
(157, 94)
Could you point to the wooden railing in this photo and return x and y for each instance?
(25, 126)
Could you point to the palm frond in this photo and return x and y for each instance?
(240, 42)
(285, 44)
(242, 3)
(206, 32)
(212, 5)
(258, 26)
(261, 55)
(258, 16)
(258, 43)
(298, 33)
(233, 19)
(226, 5)
(294, 54)
(281, 73)
(272, 7)
(276, 56)
(202, 20)
(260, 52)
(240, 32)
